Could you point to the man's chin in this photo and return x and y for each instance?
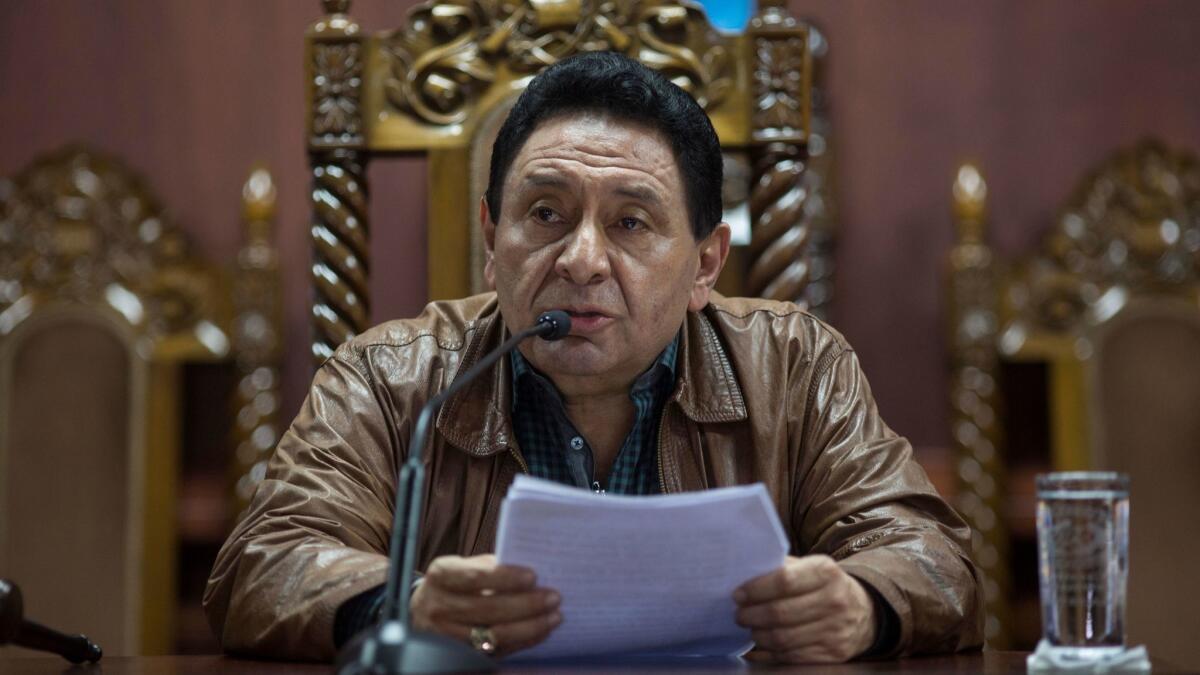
(573, 357)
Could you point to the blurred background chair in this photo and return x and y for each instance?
(114, 340)
(442, 85)
(1086, 355)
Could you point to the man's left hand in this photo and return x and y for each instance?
(808, 611)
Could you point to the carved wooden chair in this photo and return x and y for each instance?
(442, 84)
(101, 305)
(1086, 355)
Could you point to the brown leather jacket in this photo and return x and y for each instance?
(765, 392)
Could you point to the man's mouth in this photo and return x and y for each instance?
(586, 320)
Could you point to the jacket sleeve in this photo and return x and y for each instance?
(865, 501)
(316, 531)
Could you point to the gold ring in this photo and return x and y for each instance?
(483, 639)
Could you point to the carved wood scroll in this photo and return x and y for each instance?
(256, 339)
(974, 375)
(452, 51)
(782, 232)
(1134, 225)
(340, 250)
(339, 194)
(79, 226)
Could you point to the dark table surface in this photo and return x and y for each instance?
(985, 662)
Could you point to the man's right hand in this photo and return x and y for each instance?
(458, 593)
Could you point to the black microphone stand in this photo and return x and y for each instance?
(391, 645)
(16, 629)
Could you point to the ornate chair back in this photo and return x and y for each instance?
(101, 305)
(101, 302)
(441, 85)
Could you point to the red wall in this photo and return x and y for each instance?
(191, 93)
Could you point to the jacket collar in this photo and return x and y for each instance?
(707, 388)
(477, 419)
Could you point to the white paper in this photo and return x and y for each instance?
(652, 574)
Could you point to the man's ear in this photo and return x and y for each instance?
(713, 251)
(489, 243)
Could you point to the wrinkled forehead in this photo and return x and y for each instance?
(600, 142)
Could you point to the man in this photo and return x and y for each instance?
(604, 201)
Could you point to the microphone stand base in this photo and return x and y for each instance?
(388, 649)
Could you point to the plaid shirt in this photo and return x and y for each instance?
(556, 451)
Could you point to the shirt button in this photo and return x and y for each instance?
(577, 443)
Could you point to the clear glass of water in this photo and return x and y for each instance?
(1083, 555)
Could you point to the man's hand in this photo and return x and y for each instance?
(808, 611)
(457, 594)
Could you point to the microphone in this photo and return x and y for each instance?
(391, 645)
(15, 629)
(560, 322)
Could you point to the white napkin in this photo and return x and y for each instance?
(1047, 659)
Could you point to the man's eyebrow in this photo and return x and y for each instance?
(546, 180)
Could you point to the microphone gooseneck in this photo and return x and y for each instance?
(391, 646)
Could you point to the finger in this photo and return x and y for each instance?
(518, 635)
(510, 637)
(797, 576)
(789, 611)
(489, 610)
(481, 573)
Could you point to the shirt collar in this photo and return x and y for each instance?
(476, 419)
(662, 370)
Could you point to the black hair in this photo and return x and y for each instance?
(616, 85)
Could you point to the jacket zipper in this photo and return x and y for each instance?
(662, 480)
(520, 461)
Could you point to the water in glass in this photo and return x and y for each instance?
(1083, 550)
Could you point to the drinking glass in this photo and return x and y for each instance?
(1083, 555)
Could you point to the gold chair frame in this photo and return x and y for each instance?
(430, 86)
(85, 238)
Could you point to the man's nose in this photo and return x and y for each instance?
(584, 260)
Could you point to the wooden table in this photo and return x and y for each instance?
(977, 662)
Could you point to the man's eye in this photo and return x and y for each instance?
(545, 214)
(631, 223)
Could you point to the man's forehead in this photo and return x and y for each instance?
(594, 141)
(585, 119)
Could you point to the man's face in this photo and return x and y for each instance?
(594, 222)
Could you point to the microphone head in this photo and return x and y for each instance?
(555, 324)
(12, 612)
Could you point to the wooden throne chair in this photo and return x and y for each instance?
(101, 308)
(442, 84)
(1085, 355)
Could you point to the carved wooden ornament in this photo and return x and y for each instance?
(451, 51)
(1134, 224)
(78, 226)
